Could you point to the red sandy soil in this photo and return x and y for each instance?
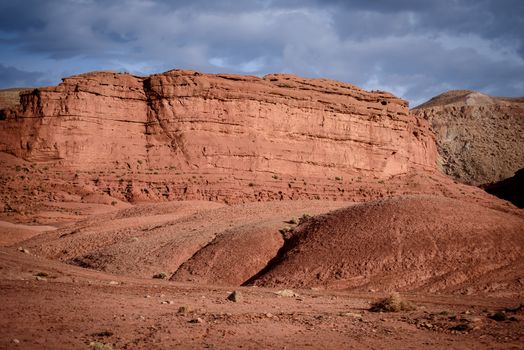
(149, 239)
(423, 243)
(229, 165)
(415, 243)
(73, 307)
(11, 233)
(70, 307)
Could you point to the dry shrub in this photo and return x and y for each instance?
(393, 303)
(99, 346)
(161, 276)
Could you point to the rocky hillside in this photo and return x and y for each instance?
(479, 138)
(186, 135)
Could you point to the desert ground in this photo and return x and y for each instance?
(48, 303)
(186, 210)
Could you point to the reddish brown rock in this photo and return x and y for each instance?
(282, 124)
(480, 138)
(87, 122)
(103, 139)
(78, 148)
(211, 126)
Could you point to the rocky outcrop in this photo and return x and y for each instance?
(187, 135)
(88, 122)
(480, 138)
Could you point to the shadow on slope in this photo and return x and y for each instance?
(510, 189)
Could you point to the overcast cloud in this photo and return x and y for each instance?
(413, 48)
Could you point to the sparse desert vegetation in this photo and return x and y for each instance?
(393, 303)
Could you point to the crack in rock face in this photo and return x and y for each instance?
(210, 125)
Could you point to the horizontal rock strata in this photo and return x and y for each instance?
(183, 135)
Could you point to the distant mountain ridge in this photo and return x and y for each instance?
(480, 138)
(10, 98)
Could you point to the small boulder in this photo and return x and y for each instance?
(23, 250)
(196, 320)
(184, 310)
(236, 296)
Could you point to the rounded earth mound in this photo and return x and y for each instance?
(411, 243)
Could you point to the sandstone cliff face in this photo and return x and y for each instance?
(282, 124)
(183, 134)
(88, 121)
(480, 138)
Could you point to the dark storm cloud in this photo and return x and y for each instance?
(21, 16)
(414, 48)
(13, 77)
(503, 19)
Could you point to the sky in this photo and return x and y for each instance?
(415, 49)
